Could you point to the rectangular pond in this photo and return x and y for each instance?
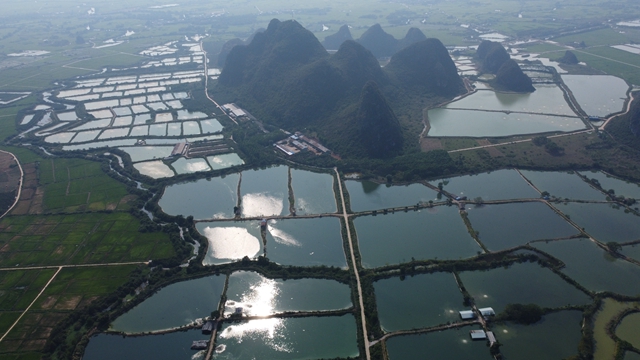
(173, 346)
(435, 233)
(143, 153)
(173, 306)
(620, 187)
(367, 195)
(496, 185)
(231, 241)
(419, 301)
(598, 95)
(508, 225)
(547, 99)
(604, 222)
(306, 242)
(289, 339)
(210, 126)
(556, 336)
(224, 161)
(188, 166)
(203, 199)
(526, 283)
(441, 345)
(313, 192)
(563, 185)
(265, 192)
(594, 268)
(260, 296)
(477, 123)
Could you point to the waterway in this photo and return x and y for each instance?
(176, 305)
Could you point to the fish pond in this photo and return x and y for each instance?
(563, 185)
(231, 241)
(598, 95)
(526, 283)
(433, 233)
(441, 345)
(418, 301)
(203, 199)
(265, 192)
(290, 338)
(605, 222)
(496, 185)
(260, 296)
(367, 195)
(173, 306)
(306, 242)
(313, 192)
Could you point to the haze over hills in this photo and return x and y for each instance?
(286, 78)
(333, 42)
(375, 39)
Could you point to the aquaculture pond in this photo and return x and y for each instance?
(173, 306)
(224, 161)
(435, 233)
(231, 241)
(631, 356)
(418, 301)
(605, 222)
(547, 99)
(593, 267)
(188, 166)
(497, 185)
(265, 192)
(563, 185)
(556, 336)
(313, 192)
(598, 95)
(306, 242)
(154, 169)
(203, 199)
(441, 345)
(477, 123)
(632, 251)
(627, 330)
(260, 296)
(526, 283)
(367, 195)
(620, 187)
(507, 225)
(173, 346)
(290, 338)
(83, 136)
(98, 144)
(142, 153)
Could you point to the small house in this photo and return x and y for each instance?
(487, 311)
(207, 328)
(478, 334)
(467, 315)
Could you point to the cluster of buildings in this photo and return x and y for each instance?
(298, 142)
(235, 112)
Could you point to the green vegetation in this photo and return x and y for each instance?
(522, 314)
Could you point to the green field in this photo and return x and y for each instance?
(78, 239)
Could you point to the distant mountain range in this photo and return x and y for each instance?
(285, 77)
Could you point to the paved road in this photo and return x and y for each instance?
(355, 269)
(206, 83)
(72, 266)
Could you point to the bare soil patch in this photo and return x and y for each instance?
(49, 302)
(69, 303)
(428, 144)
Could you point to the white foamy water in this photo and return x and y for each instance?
(261, 204)
(231, 242)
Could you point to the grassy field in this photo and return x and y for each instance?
(78, 239)
(613, 61)
(73, 288)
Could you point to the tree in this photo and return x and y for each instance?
(522, 314)
(613, 246)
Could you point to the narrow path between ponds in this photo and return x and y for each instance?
(206, 84)
(355, 269)
(30, 305)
